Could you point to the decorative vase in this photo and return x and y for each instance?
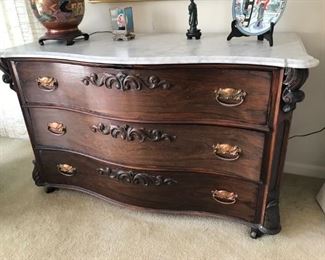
(61, 19)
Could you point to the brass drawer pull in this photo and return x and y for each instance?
(230, 97)
(224, 197)
(47, 83)
(227, 152)
(66, 169)
(57, 128)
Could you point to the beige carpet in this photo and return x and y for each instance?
(73, 225)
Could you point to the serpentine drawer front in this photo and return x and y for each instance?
(197, 148)
(163, 123)
(174, 93)
(153, 189)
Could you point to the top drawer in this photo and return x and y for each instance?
(184, 93)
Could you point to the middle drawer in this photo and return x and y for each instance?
(196, 148)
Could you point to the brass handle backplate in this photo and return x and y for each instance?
(224, 197)
(47, 83)
(57, 128)
(227, 152)
(230, 97)
(66, 169)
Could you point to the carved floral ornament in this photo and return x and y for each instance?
(131, 177)
(129, 133)
(124, 82)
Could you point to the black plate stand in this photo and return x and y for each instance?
(236, 33)
(268, 35)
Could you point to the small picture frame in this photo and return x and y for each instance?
(122, 23)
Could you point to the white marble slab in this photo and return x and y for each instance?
(288, 50)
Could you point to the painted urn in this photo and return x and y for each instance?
(61, 19)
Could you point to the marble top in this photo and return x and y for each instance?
(288, 50)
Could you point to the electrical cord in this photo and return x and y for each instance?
(308, 134)
(100, 32)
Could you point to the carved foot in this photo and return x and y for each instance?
(50, 189)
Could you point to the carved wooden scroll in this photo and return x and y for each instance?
(6, 77)
(131, 177)
(123, 81)
(294, 79)
(129, 133)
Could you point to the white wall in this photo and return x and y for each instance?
(306, 17)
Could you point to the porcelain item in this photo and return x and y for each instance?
(254, 17)
(60, 17)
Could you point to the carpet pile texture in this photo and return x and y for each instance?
(72, 225)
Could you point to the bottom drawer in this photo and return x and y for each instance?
(181, 191)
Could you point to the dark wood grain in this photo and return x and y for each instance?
(190, 94)
(290, 94)
(192, 149)
(191, 192)
(143, 135)
(276, 146)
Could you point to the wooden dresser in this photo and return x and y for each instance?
(164, 123)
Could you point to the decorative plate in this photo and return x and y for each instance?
(254, 17)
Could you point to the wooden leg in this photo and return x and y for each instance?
(271, 225)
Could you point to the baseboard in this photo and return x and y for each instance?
(305, 169)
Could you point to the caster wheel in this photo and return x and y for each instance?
(255, 233)
(50, 189)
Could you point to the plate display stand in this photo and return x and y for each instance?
(235, 32)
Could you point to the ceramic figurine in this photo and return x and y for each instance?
(193, 22)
